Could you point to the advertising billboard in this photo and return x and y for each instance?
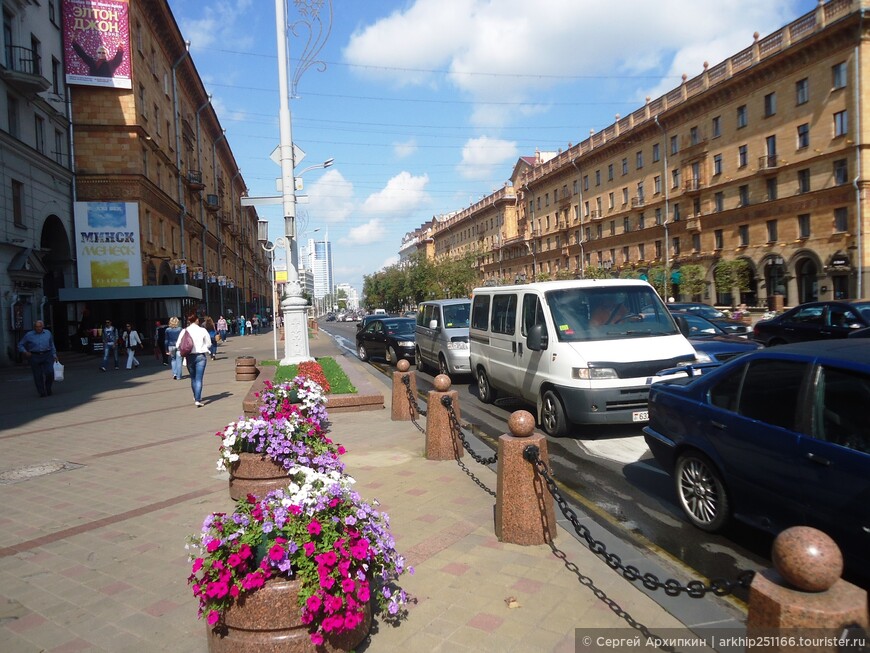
(107, 244)
(96, 42)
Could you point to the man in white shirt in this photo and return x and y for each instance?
(198, 357)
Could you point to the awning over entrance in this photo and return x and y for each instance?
(129, 293)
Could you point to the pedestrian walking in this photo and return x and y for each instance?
(212, 333)
(241, 325)
(110, 344)
(255, 324)
(132, 342)
(198, 357)
(249, 327)
(160, 343)
(171, 337)
(222, 328)
(38, 349)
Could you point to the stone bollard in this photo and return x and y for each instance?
(441, 442)
(803, 595)
(403, 410)
(524, 508)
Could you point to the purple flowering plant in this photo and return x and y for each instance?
(302, 392)
(291, 439)
(317, 530)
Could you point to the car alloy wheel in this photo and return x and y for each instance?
(553, 419)
(363, 354)
(701, 492)
(485, 392)
(392, 355)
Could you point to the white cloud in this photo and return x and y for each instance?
(513, 50)
(365, 234)
(218, 24)
(391, 260)
(483, 157)
(331, 197)
(402, 195)
(405, 149)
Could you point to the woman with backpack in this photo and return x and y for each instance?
(199, 342)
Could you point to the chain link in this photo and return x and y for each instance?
(695, 589)
(447, 402)
(412, 403)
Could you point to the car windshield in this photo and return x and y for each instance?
(456, 315)
(863, 309)
(581, 314)
(400, 327)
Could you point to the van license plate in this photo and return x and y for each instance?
(640, 416)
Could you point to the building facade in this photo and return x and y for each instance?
(319, 261)
(36, 179)
(761, 159)
(154, 145)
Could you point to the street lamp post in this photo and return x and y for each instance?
(263, 238)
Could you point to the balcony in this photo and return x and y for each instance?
(23, 70)
(212, 203)
(637, 202)
(226, 219)
(693, 223)
(768, 163)
(692, 186)
(194, 180)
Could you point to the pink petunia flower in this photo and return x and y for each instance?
(314, 527)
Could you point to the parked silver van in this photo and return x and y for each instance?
(442, 335)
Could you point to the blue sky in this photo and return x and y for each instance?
(426, 105)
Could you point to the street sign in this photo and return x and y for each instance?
(298, 155)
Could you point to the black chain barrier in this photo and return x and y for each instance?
(412, 403)
(696, 589)
(447, 402)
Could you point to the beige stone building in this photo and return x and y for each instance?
(161, 146)
(762, 157)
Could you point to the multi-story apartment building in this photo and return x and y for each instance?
(761, 157)
(36, 178)
(149, 149)
(319, 261)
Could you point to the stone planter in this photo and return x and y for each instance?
(270, 619)
(255, 474)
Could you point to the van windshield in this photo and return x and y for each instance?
(581, 314)
(456, 315)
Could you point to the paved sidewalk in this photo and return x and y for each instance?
(102, 483)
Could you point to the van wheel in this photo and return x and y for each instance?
(363, 354)
(485, 392)
(418, 357)
(553, 419)
(442, 365)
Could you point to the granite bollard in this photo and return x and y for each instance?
(524, 508)
(441, 442)
(402, 409)
(803, 595)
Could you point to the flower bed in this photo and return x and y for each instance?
(317, 530)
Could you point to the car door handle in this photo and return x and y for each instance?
(718, 425)
(819, 460)
(513, 348)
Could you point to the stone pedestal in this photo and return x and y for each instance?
(255, 474)
(524, 508)
(441, 443)
(402, 409)
(803, 596)
(295, 310)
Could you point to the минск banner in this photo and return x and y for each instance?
(107, 244)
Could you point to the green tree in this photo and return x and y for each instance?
(731, 275)
(596, 272)
(692, 281)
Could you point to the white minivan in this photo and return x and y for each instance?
(584, 351)
(442, 335)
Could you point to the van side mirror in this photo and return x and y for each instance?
(683, 325)
(433, 324)
(537, 340)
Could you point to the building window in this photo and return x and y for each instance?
(149, 227)
(640, 193)
(742, 156)
(769, 105)
(641, 220)
(675, 178)
(609, 172)
(39, 133)
(640, 252)
(658, 245)
(597, 177)
(143, 106)
(625, 196)
(803, 136)
(162, 234)
(717, 164)
(696, 242)
(657, 185)
(58, 146)
(675, 245)
(803, 177)
(585, 182)
(12, 116)
(613, 227)
(656, 152)
(804, 225)
(743, 235)
(719, 201)
(626, 225)
(841, 172)
(55, 76)
(624, 166)
(841, 219)
(547, 202)
(743, 194)
(841, 123)
(638, 160)
(675, 145)
(610, 202)
(625, 255)
(677, 214)
(771, 231)
(52, 12)
(693, 135)
(717, 239)
(771, 189)
(838, 75)
(741, 116)
(658, 216)
(574, 188)
(802, 91)
(717, 127)
(17, 203)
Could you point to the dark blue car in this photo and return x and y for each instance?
(713, 344)
(775, 438)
